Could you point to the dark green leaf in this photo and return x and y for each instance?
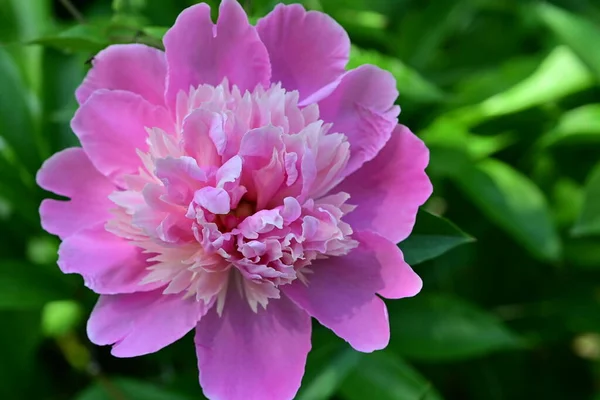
(383, 376)
(16, 119)
(431, 237)
(20, 334)
(27, 286)
(332, 372)
(589, 220)
(513, 202)
(121, 388)
(445, 328)
(577, 32)
(82, 38)
(580, 125)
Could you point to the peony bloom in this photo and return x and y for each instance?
(238, 184)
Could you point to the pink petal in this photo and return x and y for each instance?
(70, 173)
(253, 356)
(111, 126)
(215, 200)
(308, 50)
(199, 52)
(142, 323)
(132, 67)
(362, 108)
(340, 294)
(398, 277)
(389, 189)
(108, 263)
(201, 129)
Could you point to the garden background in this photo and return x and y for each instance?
(506, 95)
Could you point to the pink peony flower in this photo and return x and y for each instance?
(237, 184)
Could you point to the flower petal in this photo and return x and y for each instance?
(308, 50)
(70, 173)
(111, 126)
(340, 294)
(362, 108)
(244, 355)
(132, 67)
(389, 189)
(199, 52)
(142, 323)
(398, 277)
(108, 263)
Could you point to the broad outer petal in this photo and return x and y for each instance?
(399, 279)
(362, 108)
(340, 294)
(308, 50)
(70, 173)
(199, 52)
(108, 263)
(111, 126)
(135, 68)
(253, 356)
(389, 189)
(142, 323)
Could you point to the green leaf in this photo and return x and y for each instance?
(431, 237)
(27, 286)
(129, 389)
(578, 33)
(383, 376)
(16, 119)
(79, 38)
(128, 6)
(513, 202)
(589, 220)
(559, 75)
(156, 32)
(580, 125)
(410, 83)
(20, 335)
(445, 328)
(330, 376)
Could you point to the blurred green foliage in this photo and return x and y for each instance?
(505, 93)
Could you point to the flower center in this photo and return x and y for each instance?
(242, 191)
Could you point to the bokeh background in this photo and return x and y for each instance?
(505, 93)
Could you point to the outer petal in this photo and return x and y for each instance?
(340, 294)
(70, 173)
(362, 108)
(108, 263)
(253, 356)
(132, 67)
(142, 323)
(111, 126)
(308, 50)
(199, 52)
(389, 189)
(399, 280)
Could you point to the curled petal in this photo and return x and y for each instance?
(111, 126)
(362, 108)
(135, 68)
(340, 294)
(389, 189)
